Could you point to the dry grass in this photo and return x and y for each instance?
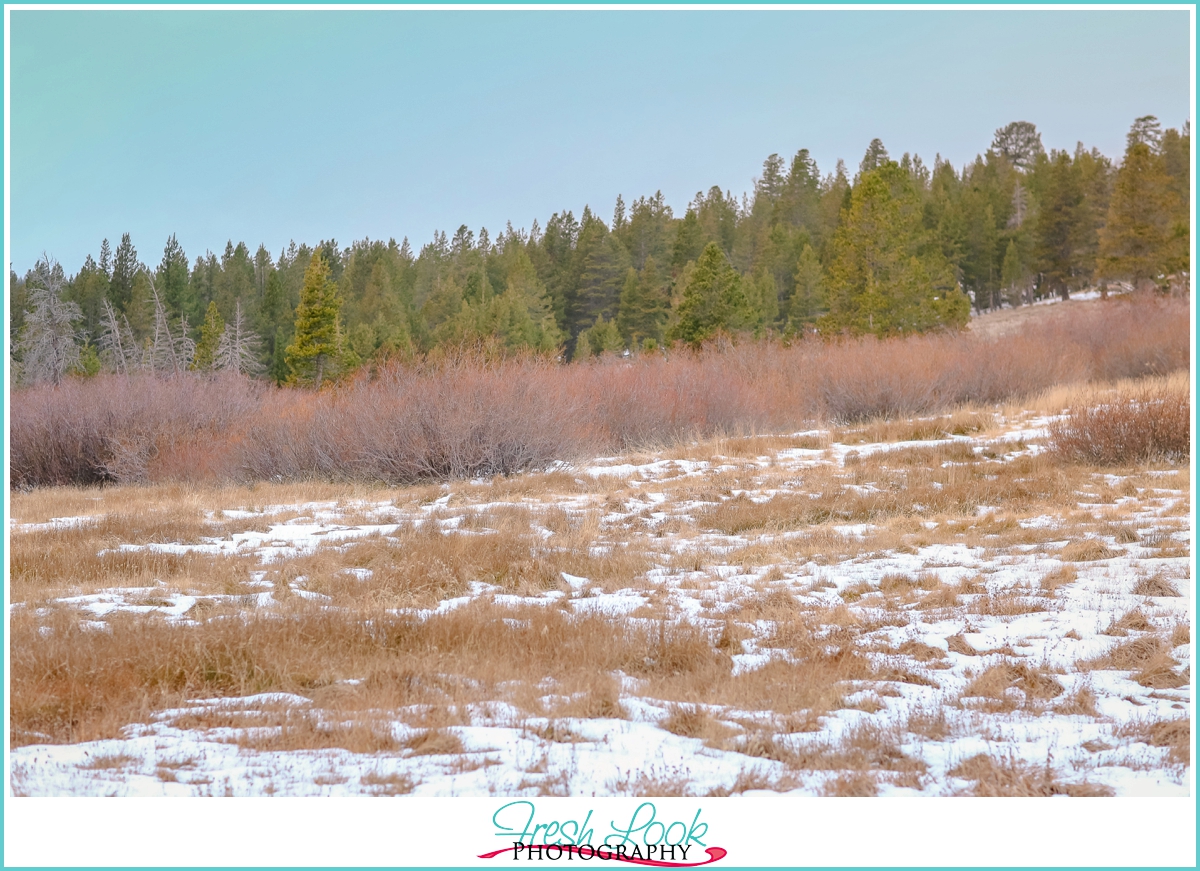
(858, 784)
(379, 783)
(1087, 550)
(1148, 657)
(1175, 735)
(1010, 685)
(1007, 603)
(1082, 702)
(108, 762)
(1156, 586)
(303, 730)
(693, 721)
(434, 742)
(1010, 777)
(1059, 577)
(1134, 621)
(421, 676)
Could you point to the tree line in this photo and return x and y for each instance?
(899, 247)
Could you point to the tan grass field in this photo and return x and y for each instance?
(945, 605)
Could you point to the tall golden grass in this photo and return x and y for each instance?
(467, 415)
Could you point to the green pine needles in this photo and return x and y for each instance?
(315, 353)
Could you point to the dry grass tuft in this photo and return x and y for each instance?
(1134, 621)
(694, 721)
(855, 784)
(929, 724)
(1149, 657)
(1181, 633)
(1008, 776)
(1155, 586)
(378, 783)
(1174, 734)
(1082, 702)
(1060, 577)
(921, 652)
(302, 730)
(1007, 603)
(1011, 685)
(108, 761)
(434, 742)
(1086, 550)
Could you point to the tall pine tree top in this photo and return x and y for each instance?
(315, 350)
(713, 300)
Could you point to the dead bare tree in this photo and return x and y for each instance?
(170, 352)
(50, 341)
(118, 347)
(237, 349)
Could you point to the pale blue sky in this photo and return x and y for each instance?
(271, 126)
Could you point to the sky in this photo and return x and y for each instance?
(271, 126)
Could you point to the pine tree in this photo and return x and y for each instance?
(603, 261)
(713, 300)
(316, 349)
(762, 299)
(1145, 131)
(173, 279)
(125, 267)
(875, 157)
(689, 241)
(1020, 143)
(235, 279)
(808, 298)
(619, 222)
(583, 347)
(529, 320)
(1134, 244)
(106, 259)
(648, 232)
(883, 276)
(644, 305)
(140, 307)
(210, 336)
(604, 337)
(1014, 277)
(800, 202)
(89, 290)
(1060, 224)
(275, 320)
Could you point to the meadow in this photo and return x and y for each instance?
(940, 565)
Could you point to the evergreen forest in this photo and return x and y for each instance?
(889, 247)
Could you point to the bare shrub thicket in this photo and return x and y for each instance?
(467, 416)
(129, 429)
(1152, 423)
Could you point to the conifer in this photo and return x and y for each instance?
(210, 337)
(315, 351)
(713, 299)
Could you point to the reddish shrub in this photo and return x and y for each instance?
(466, 415)
(1149, 424)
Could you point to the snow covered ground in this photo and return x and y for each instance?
(1013, 647)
